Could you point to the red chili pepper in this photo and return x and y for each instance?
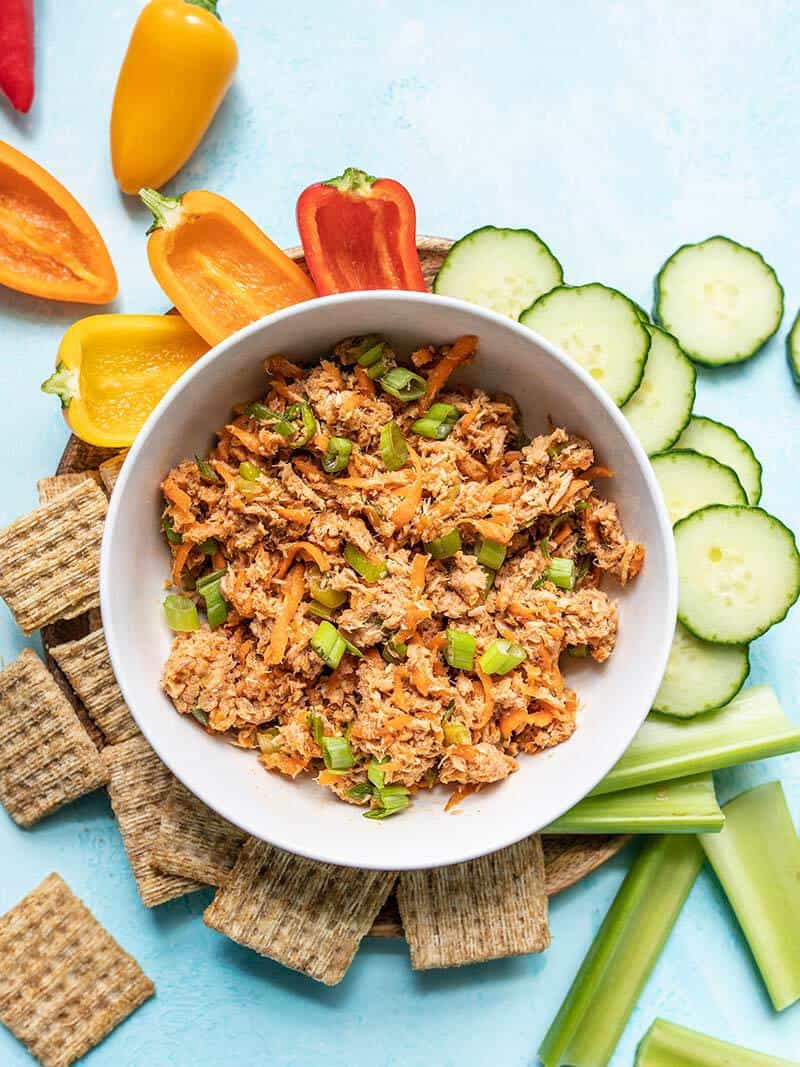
(16, 52)
(359, 232)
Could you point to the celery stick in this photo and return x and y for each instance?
(668, 1045)
(588, 1026)
(757, 860)
(685, 806)
(753, 726)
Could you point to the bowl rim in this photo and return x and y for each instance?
(243, 820)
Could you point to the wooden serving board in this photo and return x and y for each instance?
(568, 859)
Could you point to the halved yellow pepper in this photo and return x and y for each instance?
(112, 370)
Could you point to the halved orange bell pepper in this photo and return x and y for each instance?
(49, 246)
(217, 267)
(112, 370)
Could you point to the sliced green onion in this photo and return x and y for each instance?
(372, 354)
(317, 728)
(212, 576)
(201, 716)
(249, 471)
(490, 577)
(394, 651)
(403, 384)
(321, 611)
(578, 651)
(460, 650)
(331, 598)
(304, 413)
(390, 800)
(216, 605)
(685, 806)
(337, 754)
(561, 572)
(170, 532)
(502, 656)
(352, 348)
(491, 554)
(456, 733)
(394, 450)
(591, 1020)
(757, 860)
(337, 455)
(262, 413)
(369, 570)
(752, 726)
(330, 645)
(360, 791)
(375, 774)
(378, 360)
(181, 613)
(207, 472)
(266, 739)
(437, 422)
(208, 547)
(445, 546)
(247, 487)
(668, 1045)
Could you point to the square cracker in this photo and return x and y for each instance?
(52, 487)
(46, 756)
(88, 669)
(138, 785)
(480, 910)
(193, 840)
(110, 468)
(306, 915)
(50, 558)
(65, 983)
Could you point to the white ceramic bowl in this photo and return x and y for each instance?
(300, 816)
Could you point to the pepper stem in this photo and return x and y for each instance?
(207, 5)
(63, 383)
(166, 209)
(353, 181)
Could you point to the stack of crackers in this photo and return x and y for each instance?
(65, 731)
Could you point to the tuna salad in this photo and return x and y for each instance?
(377, 574)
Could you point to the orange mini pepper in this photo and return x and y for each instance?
(217, 267)
(49, 246)
(179, 65)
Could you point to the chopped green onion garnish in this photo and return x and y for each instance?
(249, 471)
(208, 547)
(330, 598)
(207, 472)
(248, 488)
(460, 650)
(394, 651)
(390, 800)
(351, 349)
(501, 657)
(317, 728)
(437, 422)
(372, 354)
(330, 645)
(561, 572)
(445, 546)
(216, 605)
(170, 532)
(181, 613)
(266, 739)
(320, 610)
(375, 774)
(278, 422)
(403, 384)
(378, 360)
(304, 413)
(369, 570)
(212, 576)
(201, 716)
(578, 651)
(337, 455)
(491, 554)
(394, 450)
(456, 733)
(360, 790)
(337, 753)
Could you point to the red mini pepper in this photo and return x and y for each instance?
(16, 52)
(359, 232)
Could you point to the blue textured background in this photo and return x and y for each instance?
(618, 131)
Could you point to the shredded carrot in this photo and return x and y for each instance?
(463, 349)
(281, 366)
(294, 589)
(519, 611)
(466, 752)
(597, 472)
(179, 498)
(397, 477)
(219, 561)
(488, 698)
(562, 533)
(284, 391)
(398, 693)
(411, 497)
(460, 794)
(244, 650)
(494, 531)
(433, 644)
(305, 466)
(468, 418)
(349, 404)
(244, 437)
(289, 765)
(179, 562)
(417, 575)
(328, 777)
(364, 383)
(321, 441)
(423, 356)
(224, 471)
(299, 515)
(316, 555)
(398, 722)
(421, 680)
(540, 718)
(511, 721)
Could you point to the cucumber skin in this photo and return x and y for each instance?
(695, 356)
(702, 455)
(590, 285)
(793, 349)
(772, 622)
(650, 327)
(747, 445)
(715, 707)
(498, 229)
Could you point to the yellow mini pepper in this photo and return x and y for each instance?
(112, 370)
(176, 72)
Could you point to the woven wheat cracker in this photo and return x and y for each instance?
(110, 468)
(65, 983)
(308, 916)
(481, 910)
(52, 487)
(46, 757)
(50, 558)
(88, 669)
(193, 840)
(138, 785)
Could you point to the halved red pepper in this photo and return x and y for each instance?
(359, 232)
(16, 52)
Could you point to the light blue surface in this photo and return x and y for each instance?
(618, 131)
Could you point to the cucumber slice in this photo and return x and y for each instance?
(720, 299)
(600, 329)
(793, 349)
(723, 443)
(690, 481)
(640, 311)
(738, 573)
(500, 269)
(662, 405)
(700, 676)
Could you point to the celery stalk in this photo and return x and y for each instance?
(591, 1019)
(668, 1045)
(753, 726)
(757, 860)
(685, 806)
